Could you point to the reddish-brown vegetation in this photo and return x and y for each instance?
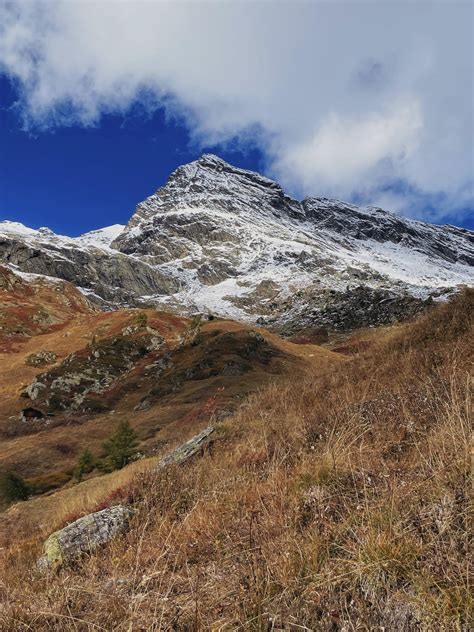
(207, 374)
(338, 500)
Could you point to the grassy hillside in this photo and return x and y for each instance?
(162, 373)
(334, 501)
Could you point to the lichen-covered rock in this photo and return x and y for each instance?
(84, 535)
(130, 330)
(34, 389)
(186, 450)
(41, 358)
(42, 317)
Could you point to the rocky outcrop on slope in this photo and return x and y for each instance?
(188, 449)
(235, 362)
(350, 309)
(79, 381)
(104, 275)
(41, 358)
(32, 304)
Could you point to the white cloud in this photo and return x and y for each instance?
(344, 98)
(345, 153)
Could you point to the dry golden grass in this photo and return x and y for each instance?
(340, 502)
(46, 455)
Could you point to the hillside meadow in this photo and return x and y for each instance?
(337, 502)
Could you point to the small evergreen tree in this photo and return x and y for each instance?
(84, 465)
(141, 319)
(196, 322)
(121, 447)
(13, 487)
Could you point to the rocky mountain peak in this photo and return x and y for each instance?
(223, 239)
(213, 169)
(208, 185)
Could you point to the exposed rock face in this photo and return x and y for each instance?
(8, 280)
(220, 239)
(445, 242)
(361, 306)
(76, 384)
(84, 535)
(101, 272)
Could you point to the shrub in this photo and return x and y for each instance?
(141, 319)
(13, 487)
(84, 465)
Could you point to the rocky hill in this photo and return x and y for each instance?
(220, 239)
(32, 304)
(70, 372)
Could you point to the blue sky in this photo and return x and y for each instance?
(363, 101)
(75, 179)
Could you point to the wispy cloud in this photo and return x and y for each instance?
(345, 99)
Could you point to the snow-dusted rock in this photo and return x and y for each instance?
(87, 261)
(220, 239)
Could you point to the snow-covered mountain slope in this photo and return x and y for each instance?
(87, 261)
(101, 237)
(222, 239)
(237, 244)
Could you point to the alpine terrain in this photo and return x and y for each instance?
(222, 240)
(239, 411)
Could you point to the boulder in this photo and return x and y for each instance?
(84, 535)
(186, 450)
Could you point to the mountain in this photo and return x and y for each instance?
(87, 261)
(265, 481)
(216, 238)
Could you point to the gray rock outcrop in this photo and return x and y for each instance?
(41, 358)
